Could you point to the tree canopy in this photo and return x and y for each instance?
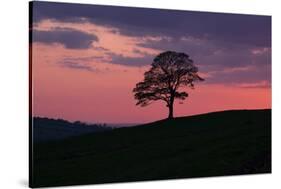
(169, 72)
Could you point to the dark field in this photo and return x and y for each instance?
(214, 144)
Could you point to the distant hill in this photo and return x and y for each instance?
(213, 144)
(46, 129)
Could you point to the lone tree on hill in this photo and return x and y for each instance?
(170, 71)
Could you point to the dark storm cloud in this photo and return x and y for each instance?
(227, 28)
(71, 39)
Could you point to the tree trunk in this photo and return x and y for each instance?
(171, 108)
(171, 112)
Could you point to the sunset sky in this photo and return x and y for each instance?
(87, 59)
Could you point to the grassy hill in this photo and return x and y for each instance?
(213, 144)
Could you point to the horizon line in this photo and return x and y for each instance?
(134, 124)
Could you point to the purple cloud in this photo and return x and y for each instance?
(71, 39)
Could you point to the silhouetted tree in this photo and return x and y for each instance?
(170, 71)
